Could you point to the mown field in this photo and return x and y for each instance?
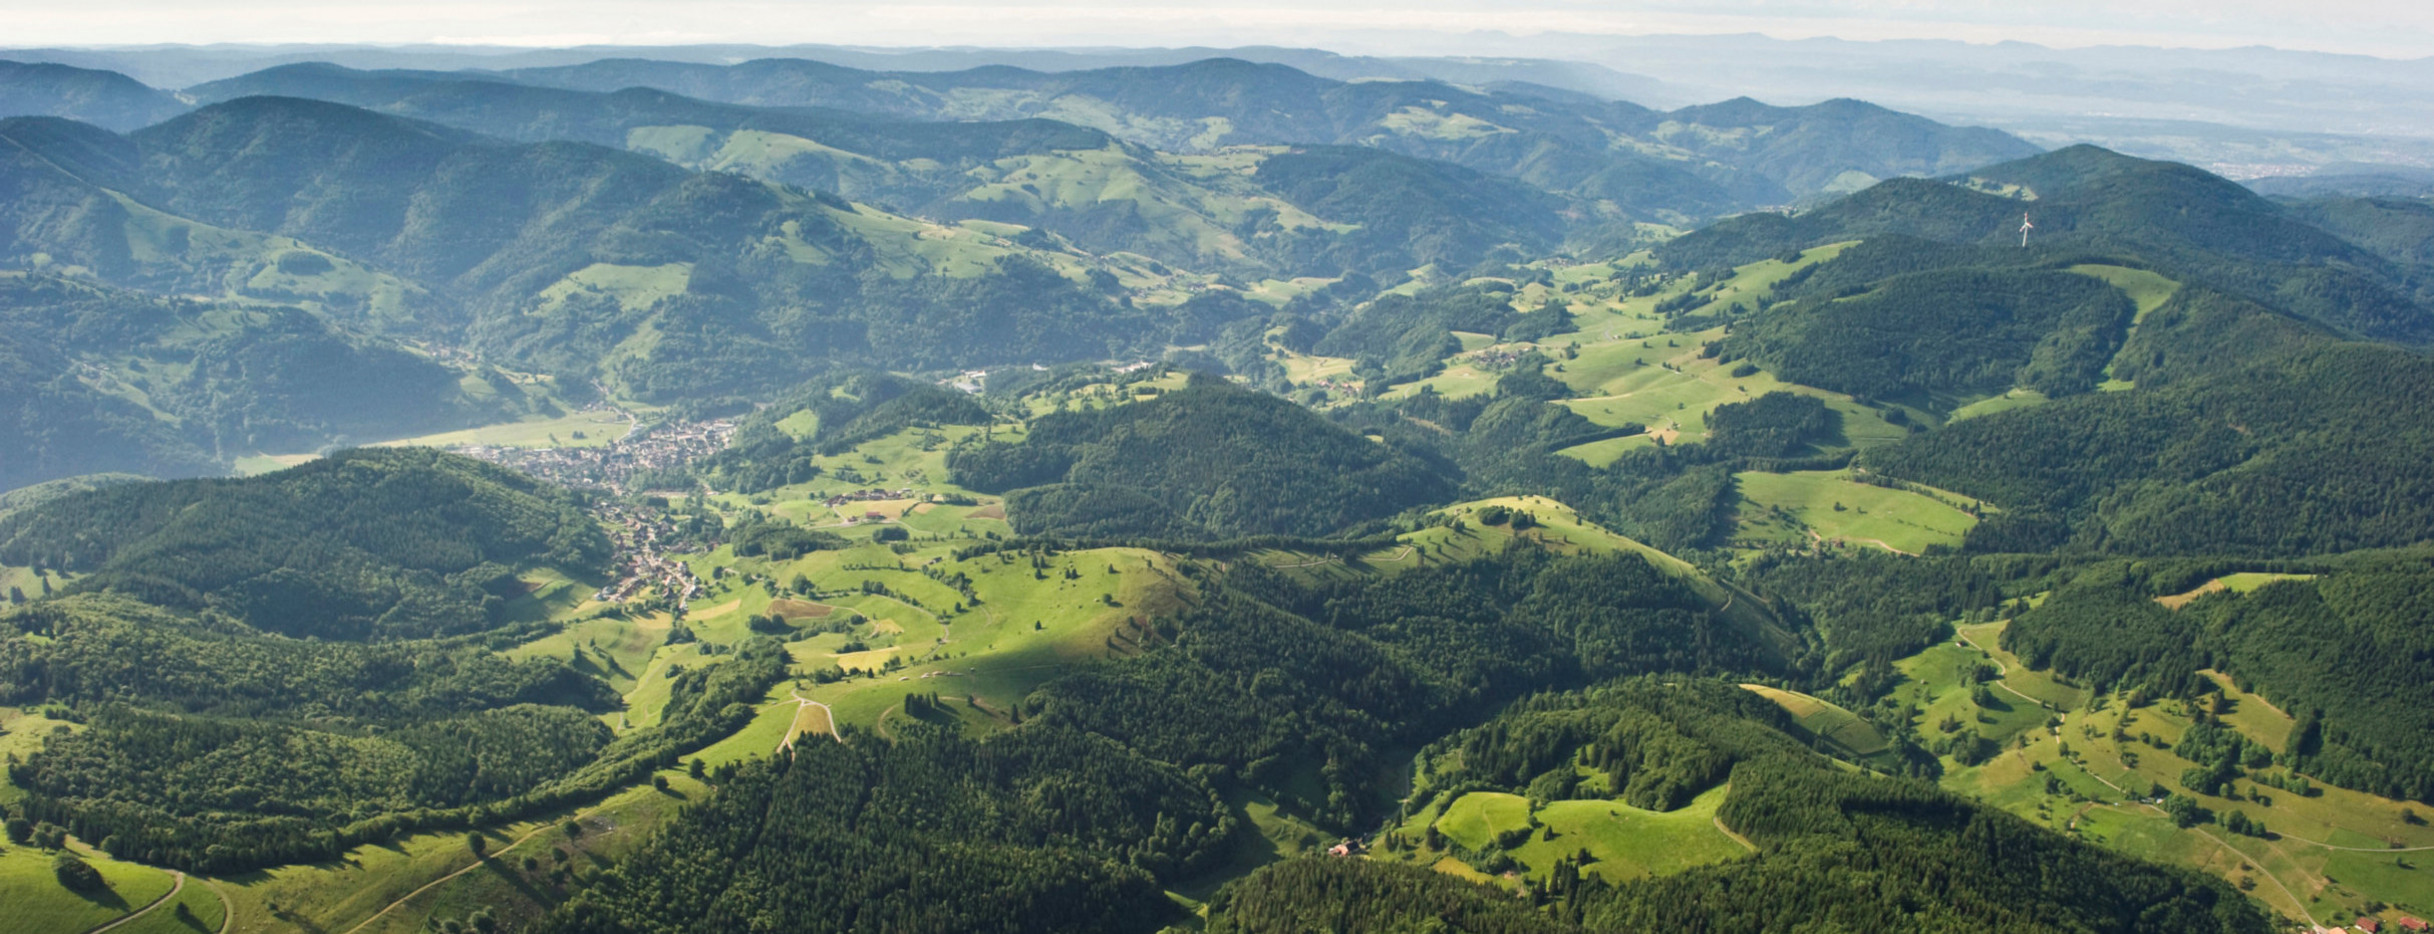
(1832, 508)
(1623, 842)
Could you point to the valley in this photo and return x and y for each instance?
(656, 496)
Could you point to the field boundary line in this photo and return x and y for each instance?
(2354, 849)
(477, 863)
(2262, 871)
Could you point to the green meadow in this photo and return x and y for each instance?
(2092, 765)
(1830, 507)
(1847, 731)
(1623, 842)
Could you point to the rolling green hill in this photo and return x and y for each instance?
(1694, 162)
(2086, 201)
(752, 284)
(365, 545)
(1947, 333)
(1144, 479)
(1210, 460)
(1269, 212)
(2249, 433)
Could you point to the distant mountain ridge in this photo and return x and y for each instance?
(103, 98)
(1692, 161)
(1244, 213)
(1558, 141)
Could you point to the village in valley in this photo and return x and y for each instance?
(616, 465)
(644, 539)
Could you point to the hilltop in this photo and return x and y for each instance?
(90, 95)
(1208, 460)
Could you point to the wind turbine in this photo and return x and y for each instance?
(2025, 227)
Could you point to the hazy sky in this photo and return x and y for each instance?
(2392, 28)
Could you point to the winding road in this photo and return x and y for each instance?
(176, 885)
(2003, 671)
(801, 702)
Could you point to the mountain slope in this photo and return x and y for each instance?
(2087, 201)
(123, 381)
(102, 98)
(1208, 461)
(363, 545)
(1239, 211)
(577, 259)
(1694, 162)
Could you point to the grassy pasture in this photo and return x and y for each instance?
(1830, 506)
(2015, 399)
(203, 903)
(1624, 842)
(33, 901)
(1603, 453)
(419, 875)
(1458, 380)
(1842, 727)
(1557, 526)
(2089, 765)
(2229, 583)
(1616, 361)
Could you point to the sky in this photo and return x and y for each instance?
(2387, 28)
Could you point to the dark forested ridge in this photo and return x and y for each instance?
(2183, 221)
(1040, 829)
(1957, 332)
(1211, 460)
(364, 545)
(1561, 142)
(188, 382)
(2250, 434)
(1403, 211)
(749, 284)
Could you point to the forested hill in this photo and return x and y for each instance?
(845, 410)
(2089, 202)
(1297, 213)
(1929, 860)
(2246, 413)
(1703, 159)
(363, 545)
(2249, 433)
(118, 380)
(552, 256)
(1210, 460)
(2338, 643)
